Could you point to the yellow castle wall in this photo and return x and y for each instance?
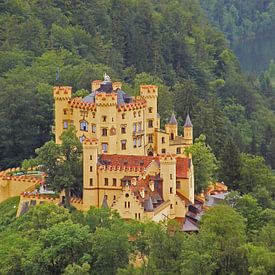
(13, 187)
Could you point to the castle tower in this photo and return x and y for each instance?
(62, 94)
(150, 94)
(188, 131)
(90, 180)
(168, 175)
(172, 127)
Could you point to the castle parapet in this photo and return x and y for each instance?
(148, 90)
(62, 92)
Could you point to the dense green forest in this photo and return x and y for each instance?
(238, 19)
(51, 240)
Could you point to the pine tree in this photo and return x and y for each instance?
(230, 164)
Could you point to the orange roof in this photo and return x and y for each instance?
(143, 161)
(182, 168)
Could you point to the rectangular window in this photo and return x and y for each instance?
(129, 204)
(163, 140)
(123, 144)
(125, 204)
(91, 182)
(150, 123)
(163, 151)
(139, 216)
(150, 109)
(178, 184)
(105, 147)
(139, 126)
(135, 127)
(114, 182)
(171, 190)
(106, 182)
(93, 128)
(65, 124)
(91, 168)
(178, 150)
(171, 176)
(150, 138)
(91, 157)
(123, 129)
(104, 118)
(114, 197)
(123, 116)
(135, 142)
(139, 141)
(83, 125)
(136, 216)
(65, 111)
(104, 132)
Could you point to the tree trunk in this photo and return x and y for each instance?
(67, 197)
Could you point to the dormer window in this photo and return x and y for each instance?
(84, 125)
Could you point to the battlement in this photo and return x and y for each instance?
(95, 84)
(62, 92)
(78, 103)
(148, 90)
(106, 99)
(117, 85)
(138, 104)
(90, 141)
(167, 159)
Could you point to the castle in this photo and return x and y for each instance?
(129, 163)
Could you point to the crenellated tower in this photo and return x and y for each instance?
(90, 179)
(150, 94)
(62, 95)
(168, 175)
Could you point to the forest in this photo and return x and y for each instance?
(236, 237)
(174, 45)
(239, 19)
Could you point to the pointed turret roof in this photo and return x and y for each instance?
(173, 120)
(188, 122)
(104, 202)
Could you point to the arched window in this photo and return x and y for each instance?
(83, 125)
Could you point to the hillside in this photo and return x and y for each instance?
(238, 19)
(168, 43)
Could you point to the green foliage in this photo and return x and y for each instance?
(205, 163)
(63, 163)
(8, 209)
(228, 229)
(239, 19)
(256, 177)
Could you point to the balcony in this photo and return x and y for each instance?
(138, 133)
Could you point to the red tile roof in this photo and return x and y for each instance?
(143, 161)
(182, 168)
